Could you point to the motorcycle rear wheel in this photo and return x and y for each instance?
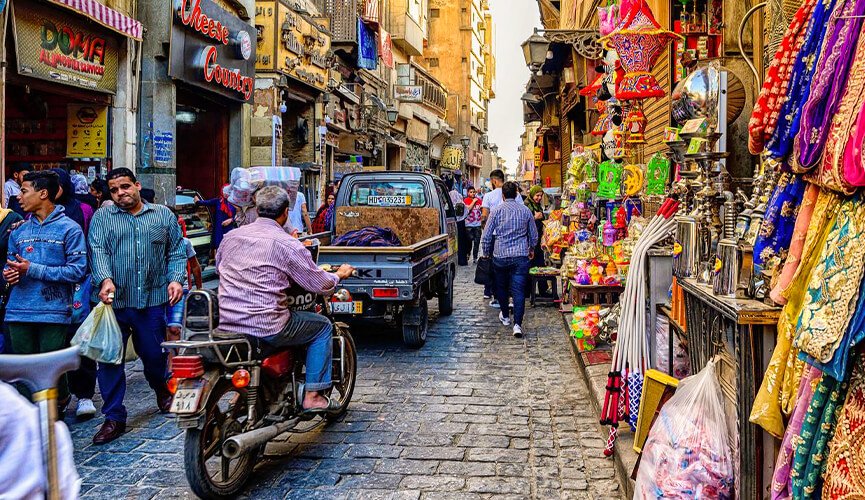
(209, 473)
(343, 389)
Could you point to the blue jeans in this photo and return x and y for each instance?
(147, 327)
(314, 331)
(512, 274)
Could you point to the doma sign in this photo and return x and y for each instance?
(212, 49)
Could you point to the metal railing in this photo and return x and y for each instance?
(343, 18)
(434, 94)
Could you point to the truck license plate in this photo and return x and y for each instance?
(355, 307)
(187, 397)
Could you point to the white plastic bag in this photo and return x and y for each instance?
(99, 337)
(687, 455)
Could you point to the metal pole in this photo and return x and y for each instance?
(3, 19)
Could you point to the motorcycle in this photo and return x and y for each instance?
(233, 394)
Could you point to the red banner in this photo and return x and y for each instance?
(385, 47)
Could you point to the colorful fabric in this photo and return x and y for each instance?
(367, 48)
(797, 243)
(845, 467)
(832, 289)
(368, 237)
(829, 82)
(837, 367)
(817, 429)
(764, 117)
(776, 231)
(777, 394)
(782, 485)
(780, 145)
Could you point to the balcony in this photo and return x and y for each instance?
(434, 94)
(407, 33)
(343, 19)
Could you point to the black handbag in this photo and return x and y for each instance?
(484, 271)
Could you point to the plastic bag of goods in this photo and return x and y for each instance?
(246, 181)
(686, 455)
(662, 339)
(584, 327)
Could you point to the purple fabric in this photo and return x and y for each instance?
(781, 481)
(830, 79)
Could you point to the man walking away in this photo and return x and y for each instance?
(47, 257)
(510, 237)
(299, 215)
(138, 262)
(473, 223)
(492, 200)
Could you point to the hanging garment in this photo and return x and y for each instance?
(776, 231)
(797, 243)
(832, 290)
(768, 104)
(829, 82)
(782, 487)
(780, 145)
(777, 394)
(817, 428)
(845, 466)
(837, 367)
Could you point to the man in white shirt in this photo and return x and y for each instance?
(299, 215)
(12, 187)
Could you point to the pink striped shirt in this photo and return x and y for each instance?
(257, 263)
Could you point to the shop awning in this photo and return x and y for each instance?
(106, 16)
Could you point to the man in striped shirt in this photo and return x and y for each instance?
(510, 237)
(257, 264)
(138, 262)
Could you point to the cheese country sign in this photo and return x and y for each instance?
(212, 49)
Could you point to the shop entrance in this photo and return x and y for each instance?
(202, 144)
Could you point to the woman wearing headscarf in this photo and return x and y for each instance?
(82, 191)
(533, 202)
(223, 214)
(99, 190)
(324, 216)
(80, 212)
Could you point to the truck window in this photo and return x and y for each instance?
(445, 198)
(387, 194)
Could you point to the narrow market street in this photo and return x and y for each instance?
(474, 414)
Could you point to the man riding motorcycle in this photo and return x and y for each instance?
(257, 264)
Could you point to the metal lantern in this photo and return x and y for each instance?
(535, 50)
(635, 123)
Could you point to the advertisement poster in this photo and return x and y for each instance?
(86, 131)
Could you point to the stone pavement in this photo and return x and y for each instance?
(473, 414)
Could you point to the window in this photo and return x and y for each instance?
(434, 13)
(445, 199)
(464, 59)
(433, 62)
(387, 194)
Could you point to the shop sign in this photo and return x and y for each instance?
(212, 48)
(452, 158)
(408, 93)
(55, 46)
(86, 131)
(331, 139)
(293, 44)
(475, 158)
(537, 155)
(342, 168)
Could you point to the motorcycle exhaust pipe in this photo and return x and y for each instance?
(241, 444)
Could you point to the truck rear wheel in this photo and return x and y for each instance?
(415, 320)
(446, 298)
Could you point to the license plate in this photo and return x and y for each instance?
(355, 307)
(187, 397)
(388, 201)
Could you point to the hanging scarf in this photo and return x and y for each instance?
(797, 243)
(845, 466)
(765, 115)
(832, 289)
(781, 143)
(776, 231)
(781, 480)
(829, 81)
(777, 394)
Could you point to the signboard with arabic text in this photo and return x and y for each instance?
(408, 93)
(86, 131)
(452, 158)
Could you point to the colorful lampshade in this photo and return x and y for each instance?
(635, 123)
(593, 88)
(639, 41)
(605, 121)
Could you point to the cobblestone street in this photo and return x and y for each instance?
(474, 414)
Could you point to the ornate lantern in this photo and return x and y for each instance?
(610, 178)
(635, 123)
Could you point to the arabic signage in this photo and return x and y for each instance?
(59, 47)
(212, 48)
(293, 44)
(452, 158)
(385, 47)
(408, 93)
(86, 131)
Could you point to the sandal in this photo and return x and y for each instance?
(331, 406)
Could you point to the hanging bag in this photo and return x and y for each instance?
(99, 337)
(483, 271)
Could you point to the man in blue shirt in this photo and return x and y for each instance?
(138, 264)
(510, 237)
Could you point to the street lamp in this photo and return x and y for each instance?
(392, 114)
(465, 141)
(495, 149)
(535, 50)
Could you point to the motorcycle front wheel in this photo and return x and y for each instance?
(210, 474)
(345, 364)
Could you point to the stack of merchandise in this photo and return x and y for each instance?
(585, 327)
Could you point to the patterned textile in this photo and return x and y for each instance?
(368, 237)
(837, 366)
(845, 468)
(635, 393)
(768, 103)
(777, 394)
(781, 481)
(832, 289)
(817, 429)
(780, 145)
(829, 81)
(639, 40)
(367, 48)
(797, 243)
(776, 232)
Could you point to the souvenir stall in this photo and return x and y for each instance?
(775, 275)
